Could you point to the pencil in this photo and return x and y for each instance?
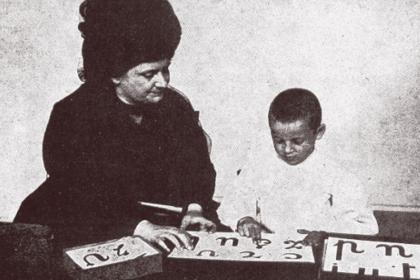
(258, 211)
(257, 217)
(165, 207)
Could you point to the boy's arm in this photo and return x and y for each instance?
(358, 222)
(238, 201)
(352, 213)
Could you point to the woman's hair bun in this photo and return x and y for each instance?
(120, 34)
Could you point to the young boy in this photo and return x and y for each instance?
(295, 188)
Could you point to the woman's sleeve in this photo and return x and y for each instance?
(55, 148)
(200, 173)
(68, 146)
(192, 169)
(75, 200)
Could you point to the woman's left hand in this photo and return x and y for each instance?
(194, 217)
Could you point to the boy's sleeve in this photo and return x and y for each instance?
(352, 214)
(238, 200)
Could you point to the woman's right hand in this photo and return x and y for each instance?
(162, 235)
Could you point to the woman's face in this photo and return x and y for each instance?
(143, 83)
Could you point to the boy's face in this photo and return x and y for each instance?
(294, 141)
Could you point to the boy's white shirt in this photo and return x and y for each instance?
(317, 194)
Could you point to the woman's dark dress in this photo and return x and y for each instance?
(100, 164)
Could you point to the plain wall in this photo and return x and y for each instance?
(361, 58)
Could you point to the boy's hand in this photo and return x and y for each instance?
(249, 227)
(314, 238)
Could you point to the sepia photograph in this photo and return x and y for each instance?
(210, 139)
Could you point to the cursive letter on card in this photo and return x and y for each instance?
(97, 256)
(389, 248)
(340, 244)
(292, 256)
(249, 254)
(223, 241)
(294, 244)
(211, 253)
(118, 250)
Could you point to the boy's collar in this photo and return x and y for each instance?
(307, 162)
(310, 159)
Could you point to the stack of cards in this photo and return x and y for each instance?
(125, 258)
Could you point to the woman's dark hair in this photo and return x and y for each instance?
(120, 34)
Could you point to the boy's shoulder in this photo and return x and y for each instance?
(336, 175)
(333, 165)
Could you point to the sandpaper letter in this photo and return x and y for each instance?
(97, 256)
(223, 241)
(118, 250)
(353, 247)
(292, 256)
(294, 244)
(249, 254)
(211, 253)
(389, 248)
(263, 242)
(406, 270)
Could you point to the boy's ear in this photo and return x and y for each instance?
(320, 131)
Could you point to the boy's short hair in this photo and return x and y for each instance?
(296, 104)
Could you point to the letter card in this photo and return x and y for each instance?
(371, 258)
(230, 246)
(112, 252)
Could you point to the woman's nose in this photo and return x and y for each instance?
(162, 80)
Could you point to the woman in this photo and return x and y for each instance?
(124, 136)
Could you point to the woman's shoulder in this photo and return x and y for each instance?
(176, 99)
(80, 98)
(177, 105)
(84, 103)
